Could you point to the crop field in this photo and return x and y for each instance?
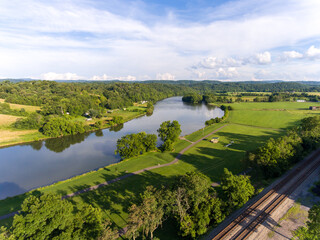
(28, 108)
(271, 115)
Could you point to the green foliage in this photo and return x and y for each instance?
(192, 98)
(148, 215)
(150, 109)
(237, 190)
(116, 120)
(312, 230)
(33, 121)
(195, 204)
(5, 109)
(169, 131)
(190, 201)
(49, 217)
(276, 156)
(135, 144)
(58, 126)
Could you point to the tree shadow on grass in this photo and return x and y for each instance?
(212, 160)
(116, 199)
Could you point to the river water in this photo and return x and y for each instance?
(28, 166)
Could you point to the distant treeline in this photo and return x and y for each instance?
(62, 100)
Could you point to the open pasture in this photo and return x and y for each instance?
(28, 108)
(271, 114)
(6, 120)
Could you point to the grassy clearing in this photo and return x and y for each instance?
(206, 157)
(270, 115)
(92, 178)
(9, 137)
(28, 108)
(6, 120)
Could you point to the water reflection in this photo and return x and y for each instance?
(116, 128)
(99, 133)
(24, 167)
(60, 144)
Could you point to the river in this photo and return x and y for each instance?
(28, 166)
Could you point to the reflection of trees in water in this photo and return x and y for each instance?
(60, 144)
(99, 133)
(36, 145)
(116, 128)
(148, 114)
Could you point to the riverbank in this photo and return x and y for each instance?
(12, 137)
(205, 157)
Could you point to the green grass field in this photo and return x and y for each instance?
(271, 115)
(266, 120)
(28, 108)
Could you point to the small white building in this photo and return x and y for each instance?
(301, 100)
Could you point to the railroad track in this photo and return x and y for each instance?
(275, 198)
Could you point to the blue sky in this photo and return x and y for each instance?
(166, 40)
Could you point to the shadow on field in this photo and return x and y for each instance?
(213, 158)
(116, 199)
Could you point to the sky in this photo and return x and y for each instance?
(228, 40)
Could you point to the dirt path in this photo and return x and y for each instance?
(129, 174)
(141, 170)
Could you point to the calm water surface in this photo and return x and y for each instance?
(25, 167)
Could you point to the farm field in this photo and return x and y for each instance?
(271, 115)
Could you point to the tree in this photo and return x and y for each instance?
(148, 215)
(108, 233)
(169, 131)
(135, 144)
(195, 204)
(237, 190)
(312, 230)
(49, 217)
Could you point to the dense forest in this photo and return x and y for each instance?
(62, 102)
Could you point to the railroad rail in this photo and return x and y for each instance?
(272, 199)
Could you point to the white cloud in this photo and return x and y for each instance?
(291, 55)
(313, 52)
(215, 62)
(78, 37)
(262, 58)
(165, 76)
(106, 77)
(61, 76)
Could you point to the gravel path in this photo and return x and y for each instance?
(129, 174)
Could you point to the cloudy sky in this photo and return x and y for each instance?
(160, 39)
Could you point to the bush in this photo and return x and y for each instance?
(33, 121)
(58, 126)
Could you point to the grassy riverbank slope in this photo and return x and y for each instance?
(244, 128)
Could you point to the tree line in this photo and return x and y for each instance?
(190, 202)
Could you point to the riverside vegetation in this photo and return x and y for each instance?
(122, 202)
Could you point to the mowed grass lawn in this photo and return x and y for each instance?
(271, 115)
(95, 177)
(205, 157)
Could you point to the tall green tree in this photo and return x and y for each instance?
(135, 144)
(49, 217)
(169, 131)
(237, 190)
